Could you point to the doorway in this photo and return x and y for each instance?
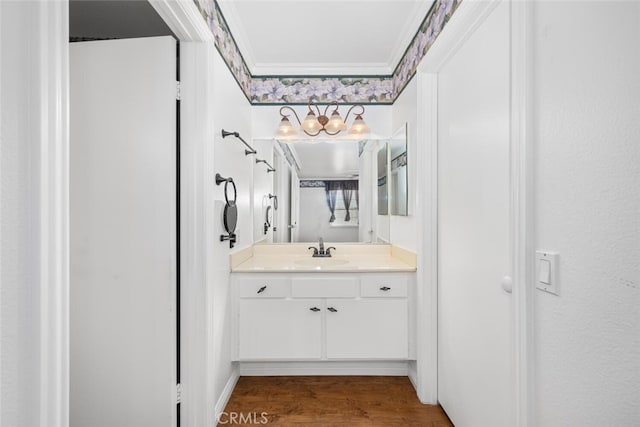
(475, 308)
(124, 228)
(124, 210)
(475, 334)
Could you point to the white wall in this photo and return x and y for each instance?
(33, 214)
(20, 287)
(232, 112)
(586, 92)
(405, 110)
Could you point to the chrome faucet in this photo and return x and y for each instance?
(319, 251)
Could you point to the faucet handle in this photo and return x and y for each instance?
(315, 250)
(328, 251)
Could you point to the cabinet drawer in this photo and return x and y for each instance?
(380, 286)
(263, 288)
(324, 287)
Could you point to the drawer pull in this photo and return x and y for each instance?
(314, 309)
(333, 310)
(385, 288)
(262, 289)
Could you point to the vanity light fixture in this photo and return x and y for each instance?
(314, 124)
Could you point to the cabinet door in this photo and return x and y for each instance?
(280, 329)
(367, 329)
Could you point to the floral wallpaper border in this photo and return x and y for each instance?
(431, 27)
(301, 90)
(225, 43)
(269, 90)
(311, 183)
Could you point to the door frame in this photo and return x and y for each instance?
(468, 17)
(52, 218)
(196, 200)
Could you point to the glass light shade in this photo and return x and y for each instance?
(335, 124)
(311, 124)
(359, 127)
(285, 129)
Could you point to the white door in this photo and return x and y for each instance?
(123, 233)
(295, 205)
(475, 378)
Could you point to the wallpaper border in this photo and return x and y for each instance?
(299, 90)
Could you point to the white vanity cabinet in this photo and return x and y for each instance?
(325, 316)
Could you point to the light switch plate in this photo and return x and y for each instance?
(547, 272)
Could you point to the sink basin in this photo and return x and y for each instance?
(321, 262)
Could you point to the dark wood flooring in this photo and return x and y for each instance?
(330, 401)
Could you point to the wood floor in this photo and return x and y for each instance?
(329, 401)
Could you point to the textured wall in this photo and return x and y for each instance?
(19, 293)
(586, 134)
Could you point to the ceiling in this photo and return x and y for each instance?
(323, 37)
(335, 159)
(104, 19)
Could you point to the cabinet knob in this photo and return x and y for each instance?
(314, 309)
(333, 310)
(262, 289)
(385, 288)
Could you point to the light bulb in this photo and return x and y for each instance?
(359, 127)
(335, 124)
(285, 129)
(311, 124)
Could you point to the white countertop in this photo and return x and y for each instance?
(296, 258)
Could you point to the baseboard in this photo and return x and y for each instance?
(413, 374)
(226, 392)
(386, 368)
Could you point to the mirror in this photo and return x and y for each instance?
(325, 189)
(398, 173)
(383, 187)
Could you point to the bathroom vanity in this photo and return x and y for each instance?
(356, 306)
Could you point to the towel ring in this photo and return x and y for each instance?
(220, 180)
(275, 201)
(230, 213)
